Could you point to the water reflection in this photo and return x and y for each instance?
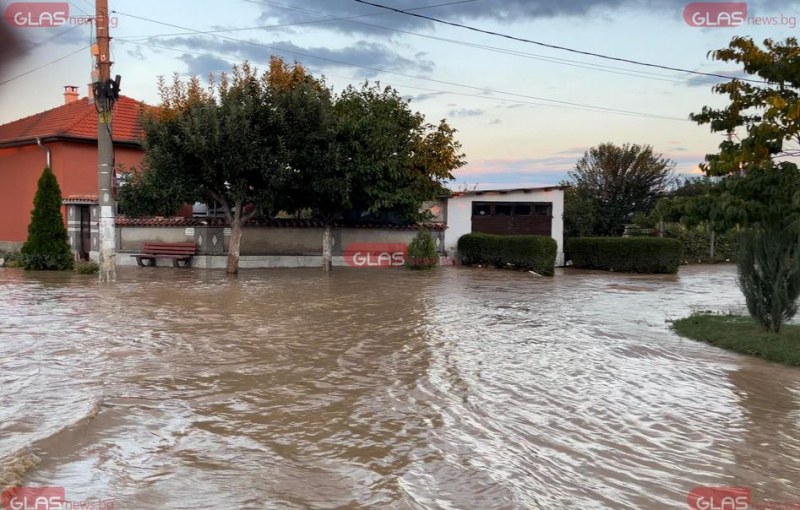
(385, 389)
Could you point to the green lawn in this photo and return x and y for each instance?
(743, 335)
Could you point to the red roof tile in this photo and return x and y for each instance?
(122, 221)
(76, 119)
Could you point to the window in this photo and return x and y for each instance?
(544, 210)
(481, 210)
(522, 210)
(502, 210)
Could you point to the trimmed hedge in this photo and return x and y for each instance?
(626, 254)
(534, 253)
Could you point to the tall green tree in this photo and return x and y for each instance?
(621, 181)
(318, 182)
(762, 184)
(47, 246)
(393, 157)
(219, 143)
(362, 153)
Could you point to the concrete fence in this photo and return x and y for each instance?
(263, 246)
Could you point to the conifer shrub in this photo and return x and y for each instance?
(422, 253)
(47, 247)
(769, 274)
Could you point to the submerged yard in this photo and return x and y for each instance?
(456, 388)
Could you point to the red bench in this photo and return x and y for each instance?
(180, 253)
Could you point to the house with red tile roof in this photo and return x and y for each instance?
(65, 138)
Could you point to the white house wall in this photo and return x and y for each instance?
(459, 215)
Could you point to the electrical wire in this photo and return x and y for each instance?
(533, 56)
(59, 59)
(554, 46)
(297, 23)
(386, 71)
(554, 103)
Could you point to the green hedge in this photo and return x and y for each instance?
(626, 254)
(697, 244)
(534, 253)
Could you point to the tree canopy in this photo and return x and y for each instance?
(282, 140)
(761, 187)
(615, 183)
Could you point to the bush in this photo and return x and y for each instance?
(534, 253)
(697, 243)
(422, 252)
(626, 254)
(47, 247)
(769, 274)
(87, 267)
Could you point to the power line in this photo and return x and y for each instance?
(59, 59)
(525, 99)
(298, 23)
(554, 60)
(553, 46)
(385, 71)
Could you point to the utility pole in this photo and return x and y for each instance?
(104, 94)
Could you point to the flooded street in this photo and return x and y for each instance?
(453, 389)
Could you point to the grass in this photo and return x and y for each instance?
(741, 334)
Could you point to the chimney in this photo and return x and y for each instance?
(90, 92)
(71, 94)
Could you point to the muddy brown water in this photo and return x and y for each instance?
(452, 389)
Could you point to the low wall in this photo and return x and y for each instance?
(10, 246)
(260, 246)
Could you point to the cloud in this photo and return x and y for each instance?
(710, 81)
(364, 18)
(203, 65)
(495, 122)
(56, 37)
(553, 165)
(425, 96)
(466, 112)
(367, 57)
(552, 168)
(369, 20)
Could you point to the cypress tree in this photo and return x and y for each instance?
(47, 247)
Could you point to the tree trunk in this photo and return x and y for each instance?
(327, 258)
(236, 240)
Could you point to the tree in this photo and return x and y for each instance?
(579, 212)
(150, 193)
(620, 181)
(318, 182)
(762, 189)
(393, 158)
(284, 141)
(47, 246)
(362, 154)
(221, 143)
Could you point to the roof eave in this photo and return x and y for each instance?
(20, 142)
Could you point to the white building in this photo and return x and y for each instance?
(520, 211)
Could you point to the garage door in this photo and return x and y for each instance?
(512, 218)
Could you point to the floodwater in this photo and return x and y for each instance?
(455, 389)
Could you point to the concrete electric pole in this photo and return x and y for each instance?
(105, 92)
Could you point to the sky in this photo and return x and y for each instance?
(525, 113)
